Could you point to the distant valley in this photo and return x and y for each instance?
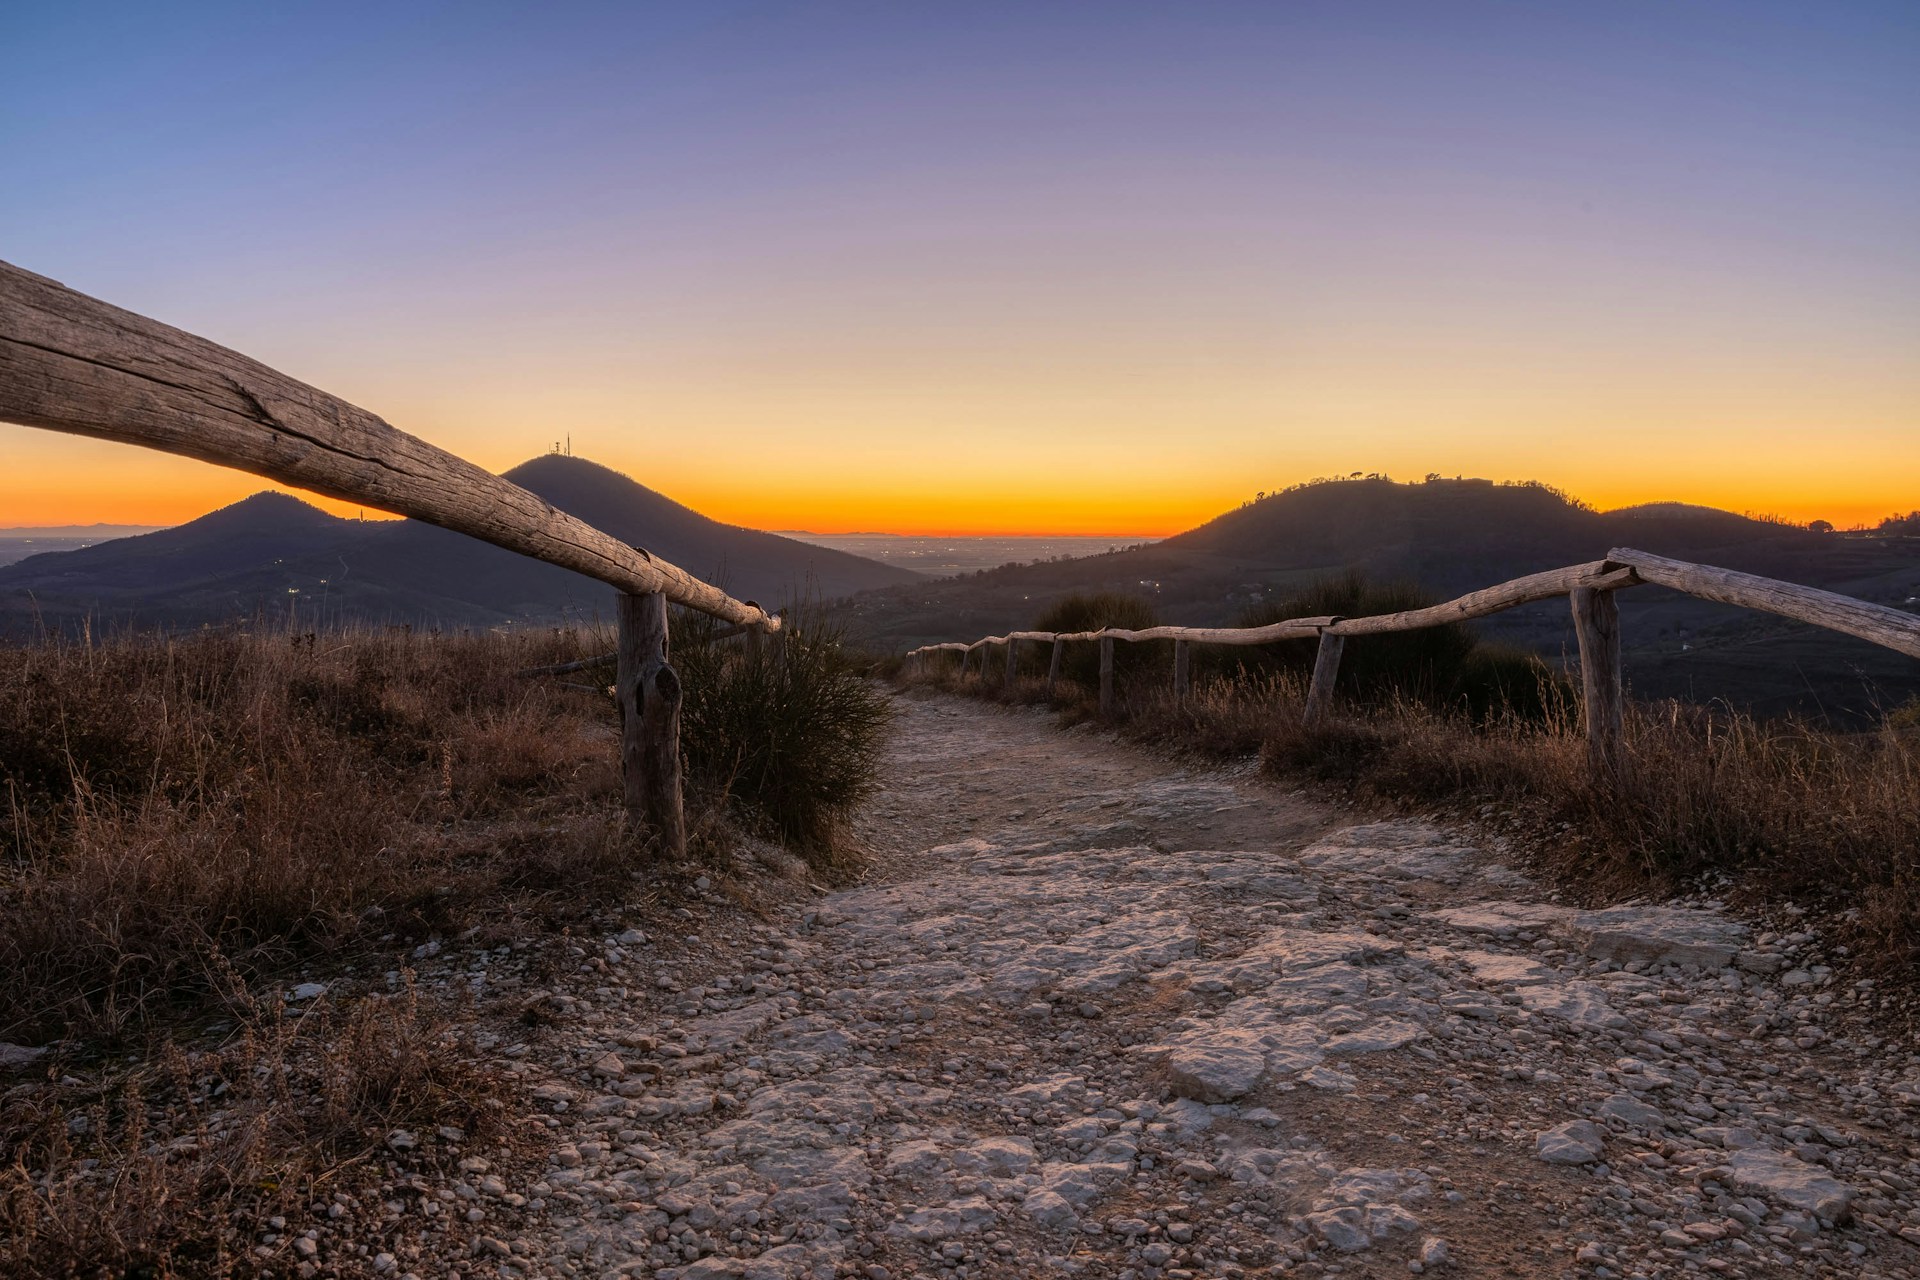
(948, 556)
(19, 543)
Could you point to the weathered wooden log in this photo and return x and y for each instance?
(1053, 664)
(1326, 673)
(640, 639)
(1106, 675)
(1883, 626)
(1182, 668)
(1478, 604)
(75, 364)
(660, 727)
(1291, 629)
(649, 695)
(1596, 624)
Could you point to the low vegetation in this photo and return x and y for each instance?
(170, 1168)
(786, 732)
(259, 797)
(1766, 810)
(186, 823)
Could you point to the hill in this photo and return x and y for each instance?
(270, 555)
(1453, 536)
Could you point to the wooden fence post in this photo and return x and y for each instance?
(965, 655)
(1106, 675)
(1053, 664)
(1596, 624)
(649, 694)
(1326, 670)
(1182, 670)
(1013, 659)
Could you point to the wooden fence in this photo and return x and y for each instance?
(1596, 619)
(72, 363)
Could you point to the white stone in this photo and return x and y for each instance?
(15, 1056)
(1048, 1208)
(1659, 935)
(1575, 1142)
(1214, 1071)
(1792, 1182)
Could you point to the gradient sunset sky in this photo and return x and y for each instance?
(1067, 267)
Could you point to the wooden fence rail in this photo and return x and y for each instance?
(72, 363)
(1590, 588)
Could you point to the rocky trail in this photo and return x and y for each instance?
(1093, 1014)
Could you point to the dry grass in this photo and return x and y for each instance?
(185, 822)
(264, 797)
(1767, 811)
(171, 1168)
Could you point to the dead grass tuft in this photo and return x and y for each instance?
(170, 1169)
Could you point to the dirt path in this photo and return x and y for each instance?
(1096, 1015)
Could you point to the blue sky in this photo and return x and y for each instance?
(760, 255)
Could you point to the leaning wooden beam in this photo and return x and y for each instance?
(1478, 604)
(1291, 629)
(1875, 622)
(72, 363)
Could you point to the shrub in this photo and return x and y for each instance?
(786, 732)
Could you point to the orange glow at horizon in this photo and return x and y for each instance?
(76, 482)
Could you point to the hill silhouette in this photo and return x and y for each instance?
(1455, 536)
(271, 554)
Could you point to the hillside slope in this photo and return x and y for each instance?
(1454, 536)
(270, 555)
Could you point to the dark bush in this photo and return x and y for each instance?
(1097, 611)
(1424, 664)
(787, 731)
(1444, 667)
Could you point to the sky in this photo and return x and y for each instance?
(1016, 268)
